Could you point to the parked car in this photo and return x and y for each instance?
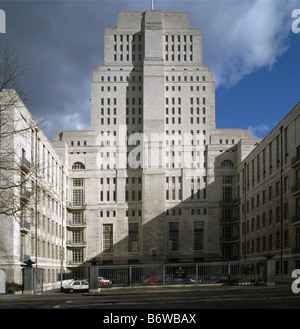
(154, 280)
(104, 282)
(76, 285)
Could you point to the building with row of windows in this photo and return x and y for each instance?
(33, 186)
(153, 180)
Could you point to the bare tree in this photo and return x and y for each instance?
(11, 72)
(17, 171)
(26, 172)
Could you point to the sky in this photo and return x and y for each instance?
(252, 47)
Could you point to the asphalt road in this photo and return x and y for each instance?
(158, 307)
(214, 297)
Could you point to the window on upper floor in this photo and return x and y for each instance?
(78, 165)
(227, 164)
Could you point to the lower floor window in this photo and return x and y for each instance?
(77, 256)
(198, 236)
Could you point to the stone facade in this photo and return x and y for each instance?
(33, 195)
(153, 180)
(268, 186)
(150, 183)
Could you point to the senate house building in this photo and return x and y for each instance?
(153, 180)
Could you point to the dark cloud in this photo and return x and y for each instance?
(62, 41)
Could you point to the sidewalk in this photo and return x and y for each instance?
(161, 289)
(176, 288)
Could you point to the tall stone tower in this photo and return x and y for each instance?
(157, 99)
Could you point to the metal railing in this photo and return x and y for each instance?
(25, 164)
(184, 274)
(76, 205)
(72, 223)
(71, 243)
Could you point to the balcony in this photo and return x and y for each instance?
(295, 189)
(226, 203)
(296, 250)
(229, 202)
(24, 195)
(71, 224)
(230, 220)
(76, 206)
(229, 239)
(295, 160)
(25, 165)
(296, 219)
(75, 263)
(24, 227)
(76, 244)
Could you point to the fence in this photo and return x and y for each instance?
(179, 274)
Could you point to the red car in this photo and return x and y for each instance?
(103, 282)
(154, 280)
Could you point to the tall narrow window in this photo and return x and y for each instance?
(198, 236)
(108, 237)
(174, 236)
(77, 255)
(77, 198)
(133, 234)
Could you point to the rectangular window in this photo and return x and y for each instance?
(77, 256)
(77, 218)
(77, 198)
(227, 193)
(174, 236)
(108, 237)
(133, 235)
(198, 236)
(77, 236)
(78, 182)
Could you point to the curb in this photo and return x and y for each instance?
(169, 289)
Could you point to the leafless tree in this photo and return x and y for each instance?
(16, 171)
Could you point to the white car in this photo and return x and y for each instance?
(76, 285)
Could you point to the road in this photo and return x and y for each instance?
(215, 297)
(150, 307)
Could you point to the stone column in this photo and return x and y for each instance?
(153, 124)
(28, 279)
(93, 277)
(270, 270)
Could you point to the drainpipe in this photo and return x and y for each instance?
(281, 200)
(36, 197)
(245, 209)
(62, 228)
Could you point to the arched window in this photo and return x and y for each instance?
(227, 164)
(78, 165)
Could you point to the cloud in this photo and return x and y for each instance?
(259, 131)
(63, 43)
(245, 37)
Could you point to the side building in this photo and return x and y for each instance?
(268, 187)
(33, 188)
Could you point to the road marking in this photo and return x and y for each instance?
(57, 306)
